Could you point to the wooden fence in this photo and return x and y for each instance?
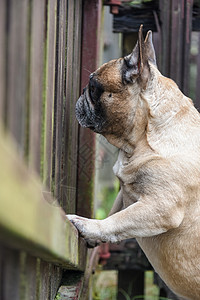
(43, 156)
(48, 48)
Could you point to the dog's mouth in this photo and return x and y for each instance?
(87, 114)
(91, 127)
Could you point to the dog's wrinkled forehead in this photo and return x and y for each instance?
(109, 76)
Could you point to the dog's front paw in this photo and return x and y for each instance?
(79, 222)
(89, 229)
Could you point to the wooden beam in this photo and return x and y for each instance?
(129, 18)
(32, 220)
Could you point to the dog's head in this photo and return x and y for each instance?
(109, 102)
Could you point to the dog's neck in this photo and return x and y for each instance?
(154, 120)
(162, 131)
(133, 135)
(129, 142)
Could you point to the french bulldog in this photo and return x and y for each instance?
(157, 130)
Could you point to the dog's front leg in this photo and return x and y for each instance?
(141, 219)
(90, 229)
(95, 224)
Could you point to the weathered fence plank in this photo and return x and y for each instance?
(59, 97)
(2, 58)
(30, 277)
(44, 280)
(36, 82)
(16, 69)
(165, 17)
(89, 63)
(55, 279)
(68, 188)
(49, 92)
(72, 93)
(11, 268)
(76, 74)
(176, 41)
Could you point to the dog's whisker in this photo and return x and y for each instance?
(87, 70)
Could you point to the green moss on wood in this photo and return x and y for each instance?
(44, 101)
(38, 279)
(27, 220)
(58, 296)
(23, 278)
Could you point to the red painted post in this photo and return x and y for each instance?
(86, 152)
(187, 42)
(197, 94)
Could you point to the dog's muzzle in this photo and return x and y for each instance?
(87, 114)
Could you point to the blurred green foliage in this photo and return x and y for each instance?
(108, 196)
(104, 285)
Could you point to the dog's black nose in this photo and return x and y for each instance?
(91, 75)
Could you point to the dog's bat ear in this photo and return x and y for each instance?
(136, 61)
(149, 48)
(141, 44)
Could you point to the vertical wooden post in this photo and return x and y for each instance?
(16, 70)
(36, 82)
(86, 152)
(73, 44)
(198, 77)
(130, 283)
(176, 16)
(59, 96)
(186, 41)
(2, 60)
(165, 35)
(49, 91)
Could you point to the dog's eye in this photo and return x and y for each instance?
(110, 95)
